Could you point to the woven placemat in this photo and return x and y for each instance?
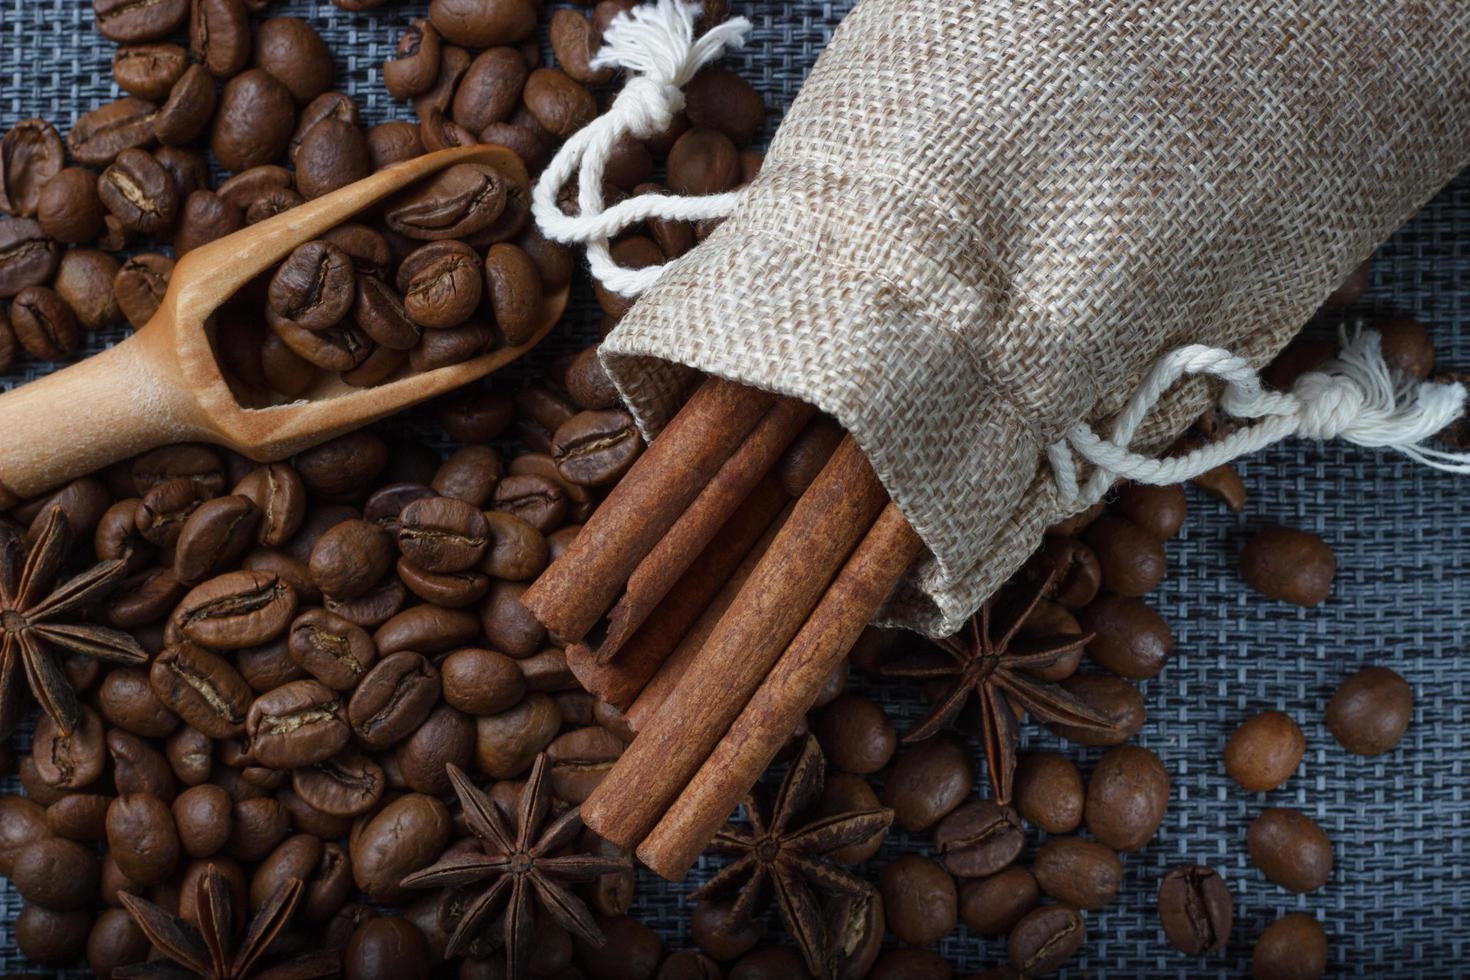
(1396, 903)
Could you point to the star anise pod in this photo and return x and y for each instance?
(37, 615)
(789, 856)
(518, 870)
(997, 666)
(209, 949)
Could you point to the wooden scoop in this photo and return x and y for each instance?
(163, 385)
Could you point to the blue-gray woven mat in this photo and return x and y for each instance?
(1396, 905)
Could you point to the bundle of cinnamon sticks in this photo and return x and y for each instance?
(711, 601)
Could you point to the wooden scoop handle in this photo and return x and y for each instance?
(106, 407)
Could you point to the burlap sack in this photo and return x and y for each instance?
(982, 221)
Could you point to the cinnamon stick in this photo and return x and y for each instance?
(574, 593)
(662, 567)
(658, 688)
(824, 527)
(619, 680)
(783, 698)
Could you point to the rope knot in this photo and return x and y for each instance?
(1328, 404)
(646, 105)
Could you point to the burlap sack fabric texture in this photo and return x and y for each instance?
(983, 221)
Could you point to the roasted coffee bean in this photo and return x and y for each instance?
(393, 699)
(446, 736)
(560, 105)
(507, 743)
(372, 609)
(442, 534)
(79, 817)
(260, 823)
(315, 286)
(217, 533)
(927, 782)
(1196, 909)
(204, 816)
(380, 313)
(48, 938)
(919, 900)
(366, 247)
(414, 67)
(687, 964)
(133, 21)
(290, 49)
(1290, 849)
(515, 291)
(856, 735)
(1079, 872)
(297, 724)
(342, 348)
(1158, 510)
(149, 71)
(23, 823)
(343, 466)
(469, 474)
(516, 550)
(384, 948)
(189, 754)
(1126, 797)
(84, 282)
(1115, 699)
(145, 598)
(334, 650)
(589, 385)
(187, 167)
(386, 505)
(140, 286)
(405, 836)
(393, 142)
(295, 857)
(188, 110)
(333, 153)
(723, 935)
(68, 207)
(1048, 792)
(703, 161)
(1128, 636)
(69, 760)
(1290, 565)
(43, 323)
(991, 906)
(219, 36)
(206, 217)
(1045, 938)
(248, 187)
(142, 838)
(575, 42)
(1406, 346)
(481, 682)
(115, 941)
(166, 508)
(278, 494)
(126, 700)
(253, 123)
(268, 666)
(8, 345)
(1132, 559)
(595, 448)
(27, 256)
(1370, 711)
(630, 252)
(490, 89)
(509, 627)
(441, 284)
(56, 873)
(236, 610)
(979, 839)
(346, 785)
(286, 372)
(1294, 947)
(1264, 751)
(539, 501)
(717, 98)
(844, 793)
(202, 689)
(476, 24)
(453, 345)
(541, 412)
(101, 134)
(579, 761)
(350, 558)
(458, 202)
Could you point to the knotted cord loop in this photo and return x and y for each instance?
(1355, 397)
(656, 42)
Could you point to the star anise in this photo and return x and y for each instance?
(518, 870)
(209, 950)
(998, 666)
(37, 615)
(789, 855)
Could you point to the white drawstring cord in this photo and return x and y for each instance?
(1354, 397)
(657, 42)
